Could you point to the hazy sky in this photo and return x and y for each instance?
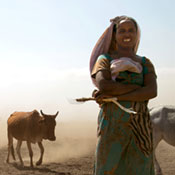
(45, 47)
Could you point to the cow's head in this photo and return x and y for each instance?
(49, 126)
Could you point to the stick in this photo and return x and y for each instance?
(84, 99)
(114, 100)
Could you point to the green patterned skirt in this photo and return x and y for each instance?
(124, 145)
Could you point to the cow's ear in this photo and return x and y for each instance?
(41, 120)
(56, 114)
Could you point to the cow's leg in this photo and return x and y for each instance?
(30, 153)
(10, 146)
(157, 137)
(18, 147)
(39, 162)
(9, 152)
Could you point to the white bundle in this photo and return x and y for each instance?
(124, 64)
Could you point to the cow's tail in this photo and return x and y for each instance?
(10, 146)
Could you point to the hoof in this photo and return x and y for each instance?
(38, 163)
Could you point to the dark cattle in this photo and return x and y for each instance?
(32, 128)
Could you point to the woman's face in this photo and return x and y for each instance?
(126, 34)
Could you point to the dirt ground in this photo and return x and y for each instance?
(71, 154)
(72, 166)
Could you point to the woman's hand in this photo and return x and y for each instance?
(99, 96)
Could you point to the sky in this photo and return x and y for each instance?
(45, 47)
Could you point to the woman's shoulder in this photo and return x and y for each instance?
(148, 67)
(105, 56)
(143, 60)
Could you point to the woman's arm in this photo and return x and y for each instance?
(108, 87)
(148, 91)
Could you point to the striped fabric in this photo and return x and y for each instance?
(141, 127)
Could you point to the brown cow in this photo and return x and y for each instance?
(32, 128)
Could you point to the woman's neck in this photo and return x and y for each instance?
(125, 52)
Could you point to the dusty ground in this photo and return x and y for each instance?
(71, 154)
(73, 166)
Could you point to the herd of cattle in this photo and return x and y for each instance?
(33, 127)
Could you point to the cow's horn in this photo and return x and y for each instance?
(45, 114)
(56, 114)
(42, 113)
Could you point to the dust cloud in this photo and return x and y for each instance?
(3, 133)
(73, 139)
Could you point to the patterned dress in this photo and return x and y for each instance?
(124, 143)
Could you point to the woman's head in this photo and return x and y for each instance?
(126, 34)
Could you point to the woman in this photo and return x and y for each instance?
(124, 145)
